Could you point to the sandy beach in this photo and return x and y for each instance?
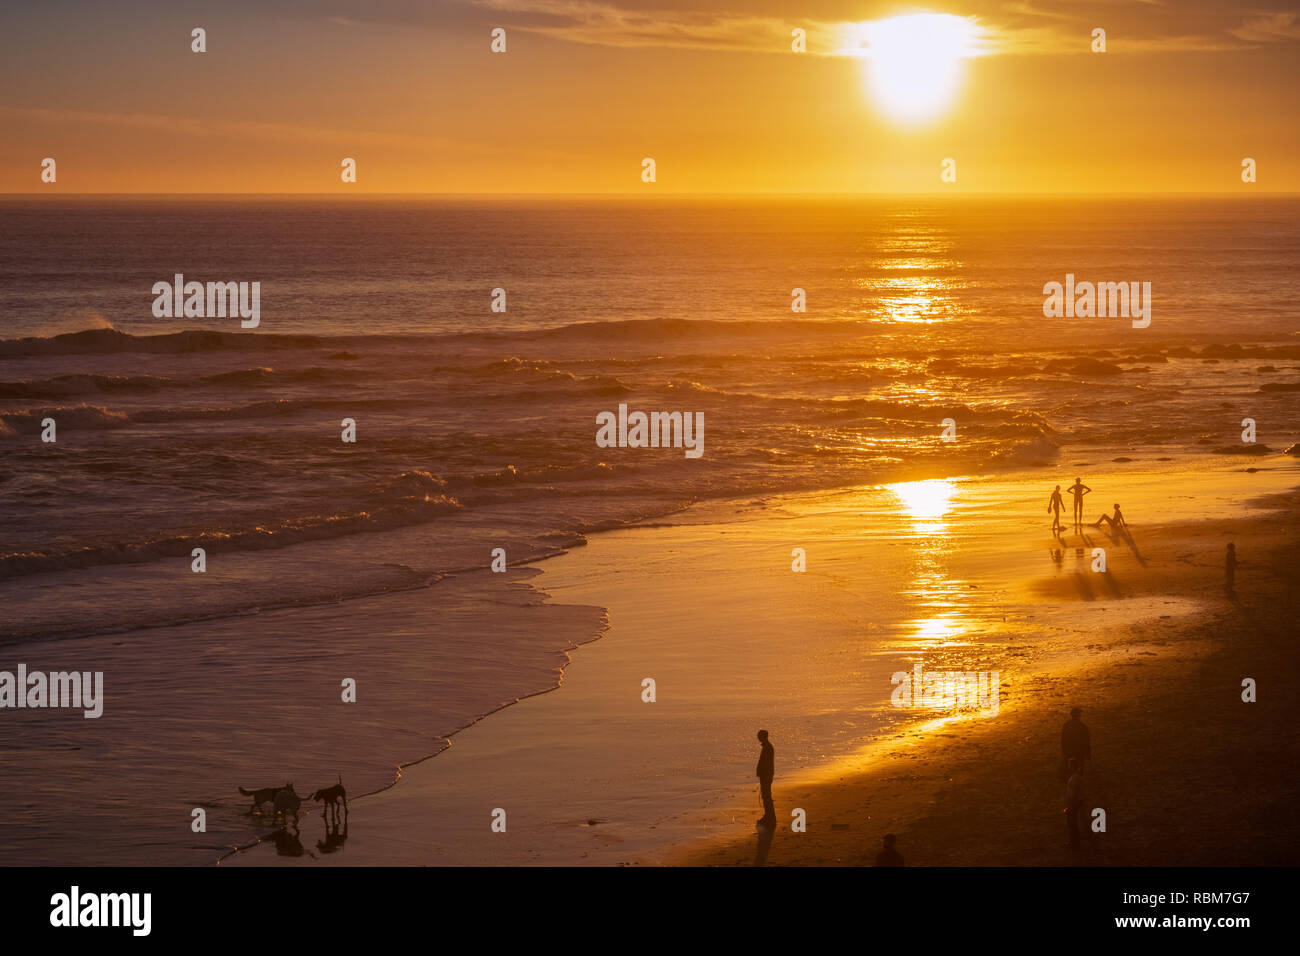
(959, 575)
(502, 587)
(593, 449)
(1182, 766)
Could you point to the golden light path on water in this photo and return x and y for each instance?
(914, 279)
(926, 501)
(928, 504)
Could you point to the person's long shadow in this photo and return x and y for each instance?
(1081, 579)
(764, 843)
(1124, 536)
(1082, 585)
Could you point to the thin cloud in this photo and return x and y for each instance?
(602, 24)
(1018, 27)
(1273, 28)
(1021, 27)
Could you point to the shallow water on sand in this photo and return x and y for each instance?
(735, 641)
(476, 431)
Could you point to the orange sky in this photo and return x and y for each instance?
(708, 88)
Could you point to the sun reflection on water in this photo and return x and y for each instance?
(939, 630)
(926, 501)
(928, 504)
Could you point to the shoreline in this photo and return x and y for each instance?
(685, 809)
(990, 796)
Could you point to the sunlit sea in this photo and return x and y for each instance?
(475, 429)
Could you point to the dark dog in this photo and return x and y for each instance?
(332, 796)
(265, 795)
(287, 802)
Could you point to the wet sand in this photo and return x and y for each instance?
(959, 576)
(1187, 773)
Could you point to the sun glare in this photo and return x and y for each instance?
(915, 63)
(924, 499)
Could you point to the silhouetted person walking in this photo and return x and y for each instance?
(1078, 489)
(1055, 505)
(1230, 569)
(889, 856)
(765, 771)
(1074, 802)
(1076, 741)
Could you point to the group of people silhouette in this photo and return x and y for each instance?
(1076, 743)
(1116, 523)
(1056, 504)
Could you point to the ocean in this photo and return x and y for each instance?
(476, 430)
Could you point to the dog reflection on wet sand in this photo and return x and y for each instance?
(335, 834)
(287, 842)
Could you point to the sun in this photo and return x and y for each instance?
(915, 63)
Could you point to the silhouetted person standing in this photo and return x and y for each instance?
(765, 771)
(1076, 741)
(1055, 505)
(889, 856)
(1078, 489)
(1074, 802)
(1230, 569)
